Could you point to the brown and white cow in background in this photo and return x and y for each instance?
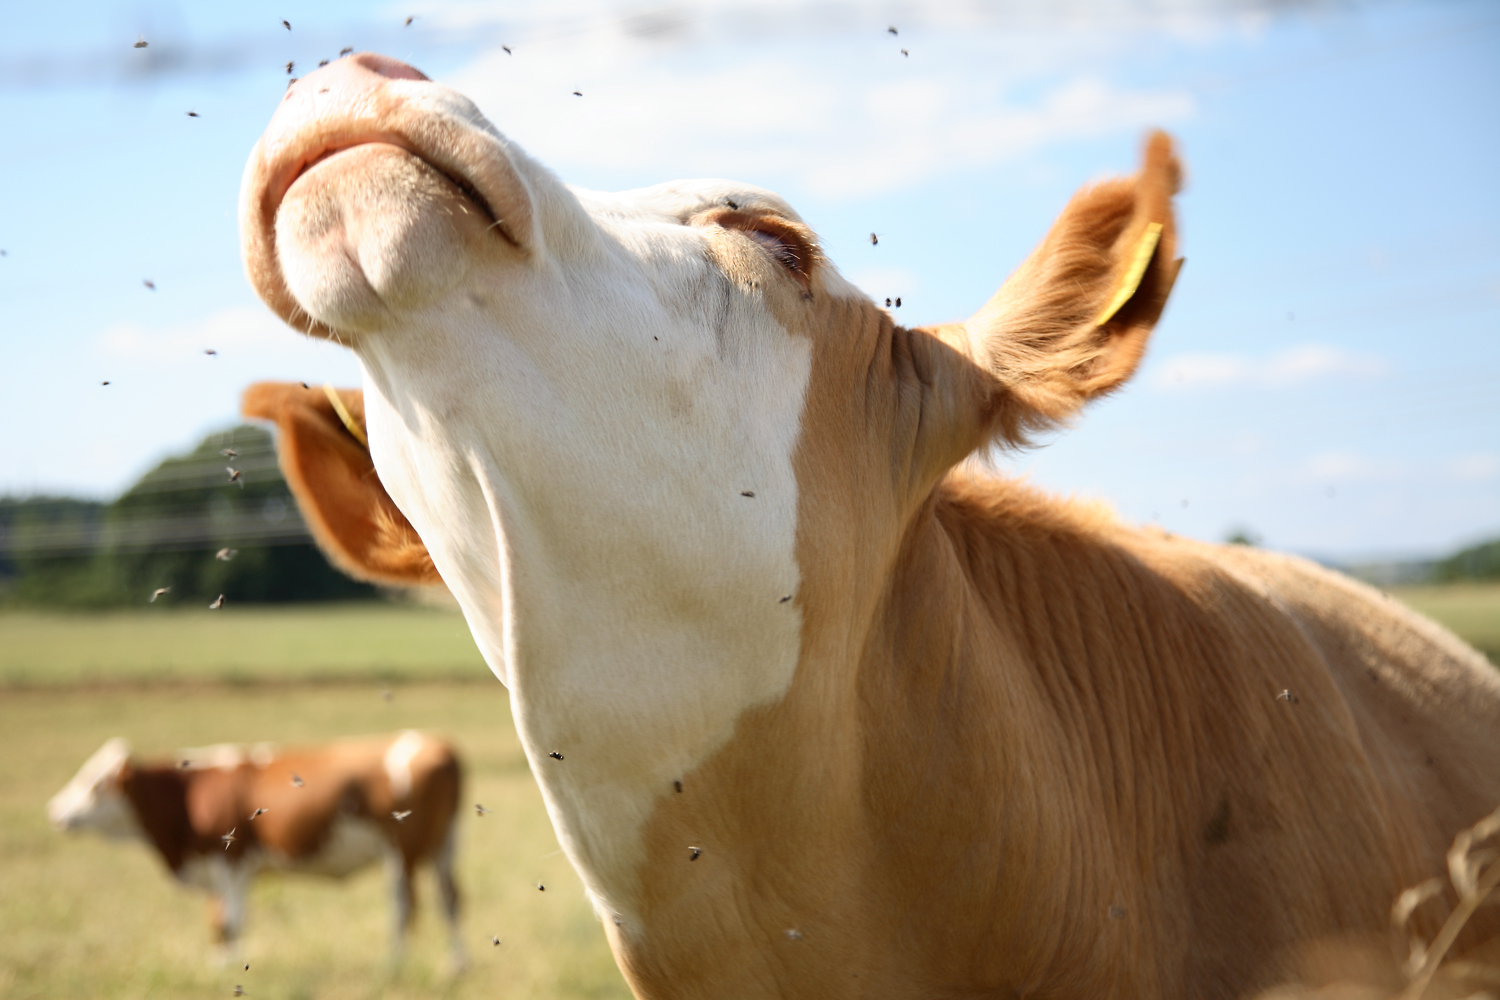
(219, 815)
(817, 711)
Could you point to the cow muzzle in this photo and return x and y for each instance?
(370, 192)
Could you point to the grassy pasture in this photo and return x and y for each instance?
(248, 644)
(82, 917)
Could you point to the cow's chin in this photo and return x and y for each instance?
(372, 232)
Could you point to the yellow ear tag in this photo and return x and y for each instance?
(1143, 252)
(349, 424)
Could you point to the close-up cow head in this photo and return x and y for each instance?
(661, 450)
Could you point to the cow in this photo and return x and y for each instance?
(819, 707)
(217, 816)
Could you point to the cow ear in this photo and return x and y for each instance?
(325, 457)
(1072, 323)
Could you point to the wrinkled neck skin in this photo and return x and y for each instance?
(631, 636)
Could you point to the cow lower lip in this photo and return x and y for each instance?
(460, 184)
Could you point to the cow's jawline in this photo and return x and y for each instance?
(330, 150)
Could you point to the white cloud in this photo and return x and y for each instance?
(1476, 467)
(1292, 366)
(693, 97)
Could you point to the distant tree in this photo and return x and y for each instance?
(1477, 562)
(1242, 536)
(166, 530)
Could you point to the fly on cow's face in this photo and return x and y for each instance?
(480, 810)
(259, 812)
(346, 50)
(400, 815)
(229, 837)
(694, 853)
(297, 780)
(731, 203)
(184, 764)
(322, 63)
(1287, 696)
(239, 990)
(217, 604)
(540, 887)
(555, 755)
(788, 597)
(495, 941)
(677, 787)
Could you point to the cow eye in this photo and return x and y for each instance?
(787, 253)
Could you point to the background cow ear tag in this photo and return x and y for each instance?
(1143, 252)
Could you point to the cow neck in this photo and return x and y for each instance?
(632, 639)
(158, 798)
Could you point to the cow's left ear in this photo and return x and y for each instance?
(325, 457)
(1072, 323)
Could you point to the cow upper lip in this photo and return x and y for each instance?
(332, 148)
(475, 161)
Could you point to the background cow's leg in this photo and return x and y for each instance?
(230, 889)
(442, 864)
(399, 871)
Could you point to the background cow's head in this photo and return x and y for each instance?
(94, 800)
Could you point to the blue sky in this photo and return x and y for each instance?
(1327, 376)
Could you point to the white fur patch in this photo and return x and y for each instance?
(574, 443)
(398, 757)
(594, 436)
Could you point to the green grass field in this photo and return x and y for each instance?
(85, 917)
(82, 917)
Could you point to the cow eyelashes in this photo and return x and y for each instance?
(788, 254)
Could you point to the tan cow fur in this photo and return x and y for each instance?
(1027, 750)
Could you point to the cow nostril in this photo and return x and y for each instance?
(385, 66)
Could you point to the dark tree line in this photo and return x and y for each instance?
(172, 529)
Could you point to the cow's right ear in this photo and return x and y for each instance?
(324, 455)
